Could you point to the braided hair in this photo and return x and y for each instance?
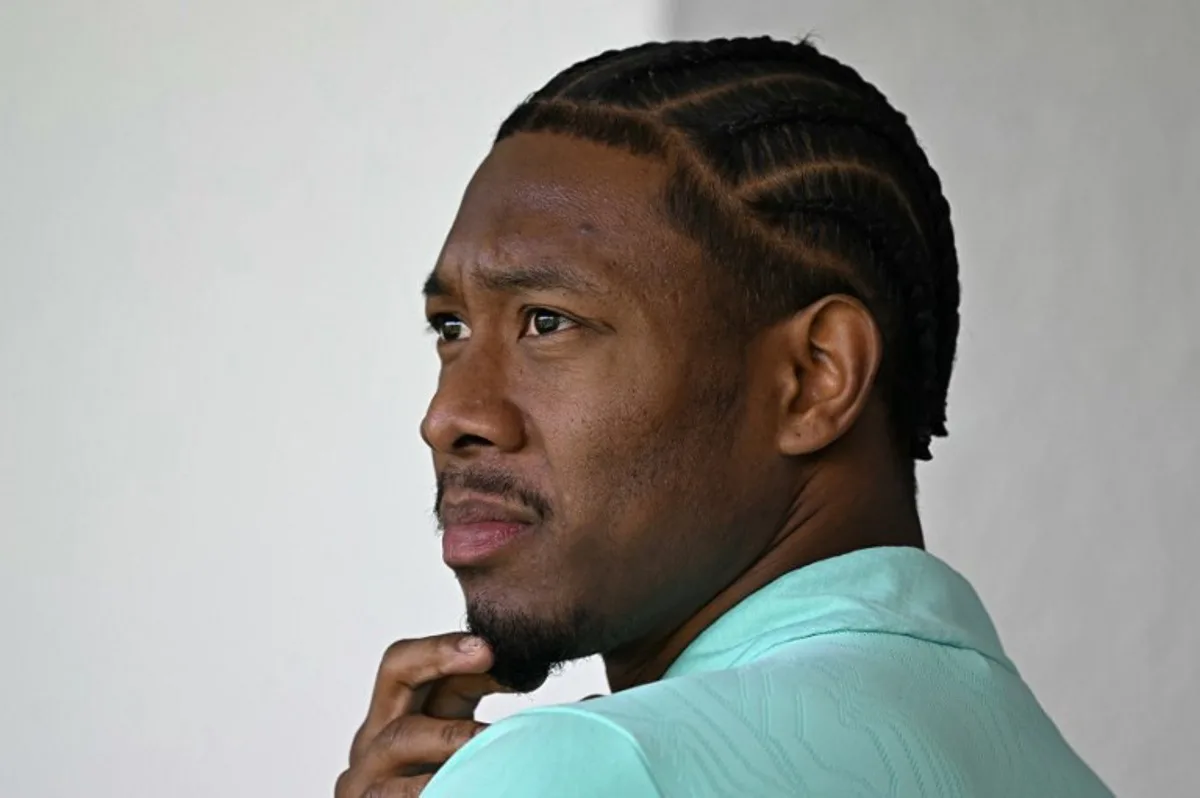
(798, 178)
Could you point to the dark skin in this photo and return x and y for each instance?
(683, 466)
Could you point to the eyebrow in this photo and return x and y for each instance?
(527, 278)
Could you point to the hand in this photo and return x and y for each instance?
(422, 711)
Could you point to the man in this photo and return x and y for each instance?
(696, 319)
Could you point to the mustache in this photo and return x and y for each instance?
(493, 482)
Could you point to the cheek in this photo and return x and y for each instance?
(591, 426)
(630, 438)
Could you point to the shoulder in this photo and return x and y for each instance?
(848, 714)
(549, 751)
(855, 714)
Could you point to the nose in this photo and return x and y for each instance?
(471, 409)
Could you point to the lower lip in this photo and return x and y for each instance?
(468, 544)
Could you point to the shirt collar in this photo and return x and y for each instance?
(893, 590)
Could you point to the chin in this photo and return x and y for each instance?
(528, 642)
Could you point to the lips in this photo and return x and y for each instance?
(475, 529)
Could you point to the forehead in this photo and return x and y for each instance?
(543, 199)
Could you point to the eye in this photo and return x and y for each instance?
(449, 328)
(540, 321)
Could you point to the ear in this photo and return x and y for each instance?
(832, 350)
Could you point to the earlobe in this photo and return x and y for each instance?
(833, 350)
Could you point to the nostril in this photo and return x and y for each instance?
(468, 441)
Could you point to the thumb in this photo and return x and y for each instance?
(456, 697)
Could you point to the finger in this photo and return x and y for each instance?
(404, 675)
(458, 696)
(407, 747)
(391, 787)
(408, 665)
(399, 787)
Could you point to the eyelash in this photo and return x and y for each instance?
(438, 320)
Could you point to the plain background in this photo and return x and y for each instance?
(214, 223)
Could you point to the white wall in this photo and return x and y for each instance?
(1068, 136)
(213, 227)
(214, 506)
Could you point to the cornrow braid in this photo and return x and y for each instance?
(795, 175)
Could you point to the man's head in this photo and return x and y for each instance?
(689, 279)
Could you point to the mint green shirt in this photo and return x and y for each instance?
(877, 673)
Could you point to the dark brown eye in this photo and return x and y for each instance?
(449, 327)
(544, 322)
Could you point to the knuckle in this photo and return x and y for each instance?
(396, 733)
(394, 651)
(358, 743)
(457, 733)
(342, 785)
(414, 661)
(395, 788)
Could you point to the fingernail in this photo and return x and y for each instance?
(469, 645)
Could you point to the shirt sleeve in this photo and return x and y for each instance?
(547, 753)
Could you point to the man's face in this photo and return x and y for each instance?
(600, 475)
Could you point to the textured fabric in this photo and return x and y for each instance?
(877, 673)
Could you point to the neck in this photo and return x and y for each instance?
(826, 519)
